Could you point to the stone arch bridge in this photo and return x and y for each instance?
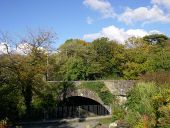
(90, 101)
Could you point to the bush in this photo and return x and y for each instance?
(132, 118)
(162, 106)
(141, 106)
(161, 77)
(9, 103)
(164, 120)
(118, 112)
(102, 91)
(4, 123)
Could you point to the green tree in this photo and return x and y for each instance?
(159, 59)
(137, 52)
(110, 56)
(74, 69)
(102, 48)
(71, 60)
(158, 39)
(28, 67)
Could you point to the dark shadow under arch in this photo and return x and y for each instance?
(79, 106)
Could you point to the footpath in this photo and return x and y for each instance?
(81, 119)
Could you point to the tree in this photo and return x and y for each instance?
(159, 61)
(137, 52)
(29, 66)
(102, 48)
(79, 60)
(109, 56)
(159, 58)
(71, 60)
(9, 95)
(75, 69)
(147, 54)
(159, 39)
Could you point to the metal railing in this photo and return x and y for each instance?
(59, 112)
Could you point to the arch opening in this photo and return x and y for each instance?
(79, 106)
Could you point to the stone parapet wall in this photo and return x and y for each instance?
(120, 87)
(116, 87)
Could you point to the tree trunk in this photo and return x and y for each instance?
(28, 99)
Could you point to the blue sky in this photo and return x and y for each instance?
(87, 19)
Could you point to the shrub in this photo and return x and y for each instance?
(164, 120)
(162, 106)
(161, 77)
(101, 90)
(118, 112)
(141, 106)
(132, 117)
(4, 123)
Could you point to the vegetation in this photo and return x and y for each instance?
(24, 89)
(102, 91)
(103, 122)
(147, 106)
(21, 74)
(141, 106)
(104, 58)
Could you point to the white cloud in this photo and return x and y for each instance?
(23, 48)
(165, 3)
(158, 11)
(144, 14)
(118, 34)
(114, 33)
(136, 32)
(3, 48)
(20, 49)
(89, 20)
(102, 6)
(155, 32)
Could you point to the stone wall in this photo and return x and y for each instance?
(119, 87)
(116, 87)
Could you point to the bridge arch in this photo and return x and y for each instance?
(87, 93)
(82, 102)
